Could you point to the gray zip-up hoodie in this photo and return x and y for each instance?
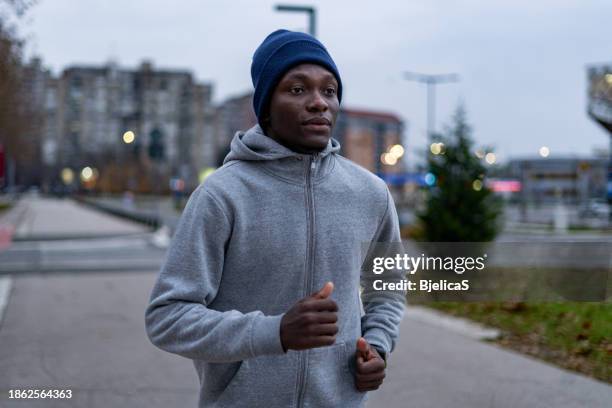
(268, 228)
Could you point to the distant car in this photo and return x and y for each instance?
(595, 209)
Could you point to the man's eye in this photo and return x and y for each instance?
(297, 90)
(330, 91)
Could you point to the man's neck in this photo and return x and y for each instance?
(295, 148)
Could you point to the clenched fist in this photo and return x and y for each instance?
(370, 367)
(311, 322)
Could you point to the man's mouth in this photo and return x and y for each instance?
(317, 122)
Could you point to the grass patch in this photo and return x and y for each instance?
(573, 335)
(4, 206)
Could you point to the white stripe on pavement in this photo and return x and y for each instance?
(6, 283)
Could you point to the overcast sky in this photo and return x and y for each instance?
(522, 63)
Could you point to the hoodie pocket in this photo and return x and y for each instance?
(329, 380)
(219, 376)
(261, 382)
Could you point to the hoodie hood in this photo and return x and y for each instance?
(254, 147)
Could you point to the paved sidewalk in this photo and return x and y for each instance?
(86, 333)
(38, 218)
(42, 218)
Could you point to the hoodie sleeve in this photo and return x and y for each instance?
(178, 319)
(383, 309)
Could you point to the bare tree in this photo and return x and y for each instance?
(16, 116)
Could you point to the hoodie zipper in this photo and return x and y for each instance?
(303, 361)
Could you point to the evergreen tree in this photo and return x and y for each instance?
(459, 206)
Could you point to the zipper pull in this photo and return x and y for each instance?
(314, 161)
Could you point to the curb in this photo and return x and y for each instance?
(150, 219)
(457, 325)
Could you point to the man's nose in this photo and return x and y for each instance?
(317, 102)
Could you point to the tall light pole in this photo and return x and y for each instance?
(311, 11)
(431, 81)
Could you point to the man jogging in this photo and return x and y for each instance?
(261, 285)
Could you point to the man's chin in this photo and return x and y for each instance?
(314, 148)
(316, 140)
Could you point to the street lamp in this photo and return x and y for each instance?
(431, 81)
(128, 137)
(311, 11)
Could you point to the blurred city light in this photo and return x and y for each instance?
(67, 176)
(87, 174)
(609, 79)
(490, 158)
(383, 158)
(430, 179)
(397, 151)
(477, 185)
(204, 173)
(391, 159)
(437, 148)
(128, 137)
(544, 151)
(480, 153)
(505, 186)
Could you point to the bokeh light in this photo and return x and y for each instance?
(128, 137)
(430, 179)
(397, 150)
(67, 176)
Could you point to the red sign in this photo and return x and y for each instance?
(502, 186)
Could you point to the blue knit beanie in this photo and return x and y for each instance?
(278, 53)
